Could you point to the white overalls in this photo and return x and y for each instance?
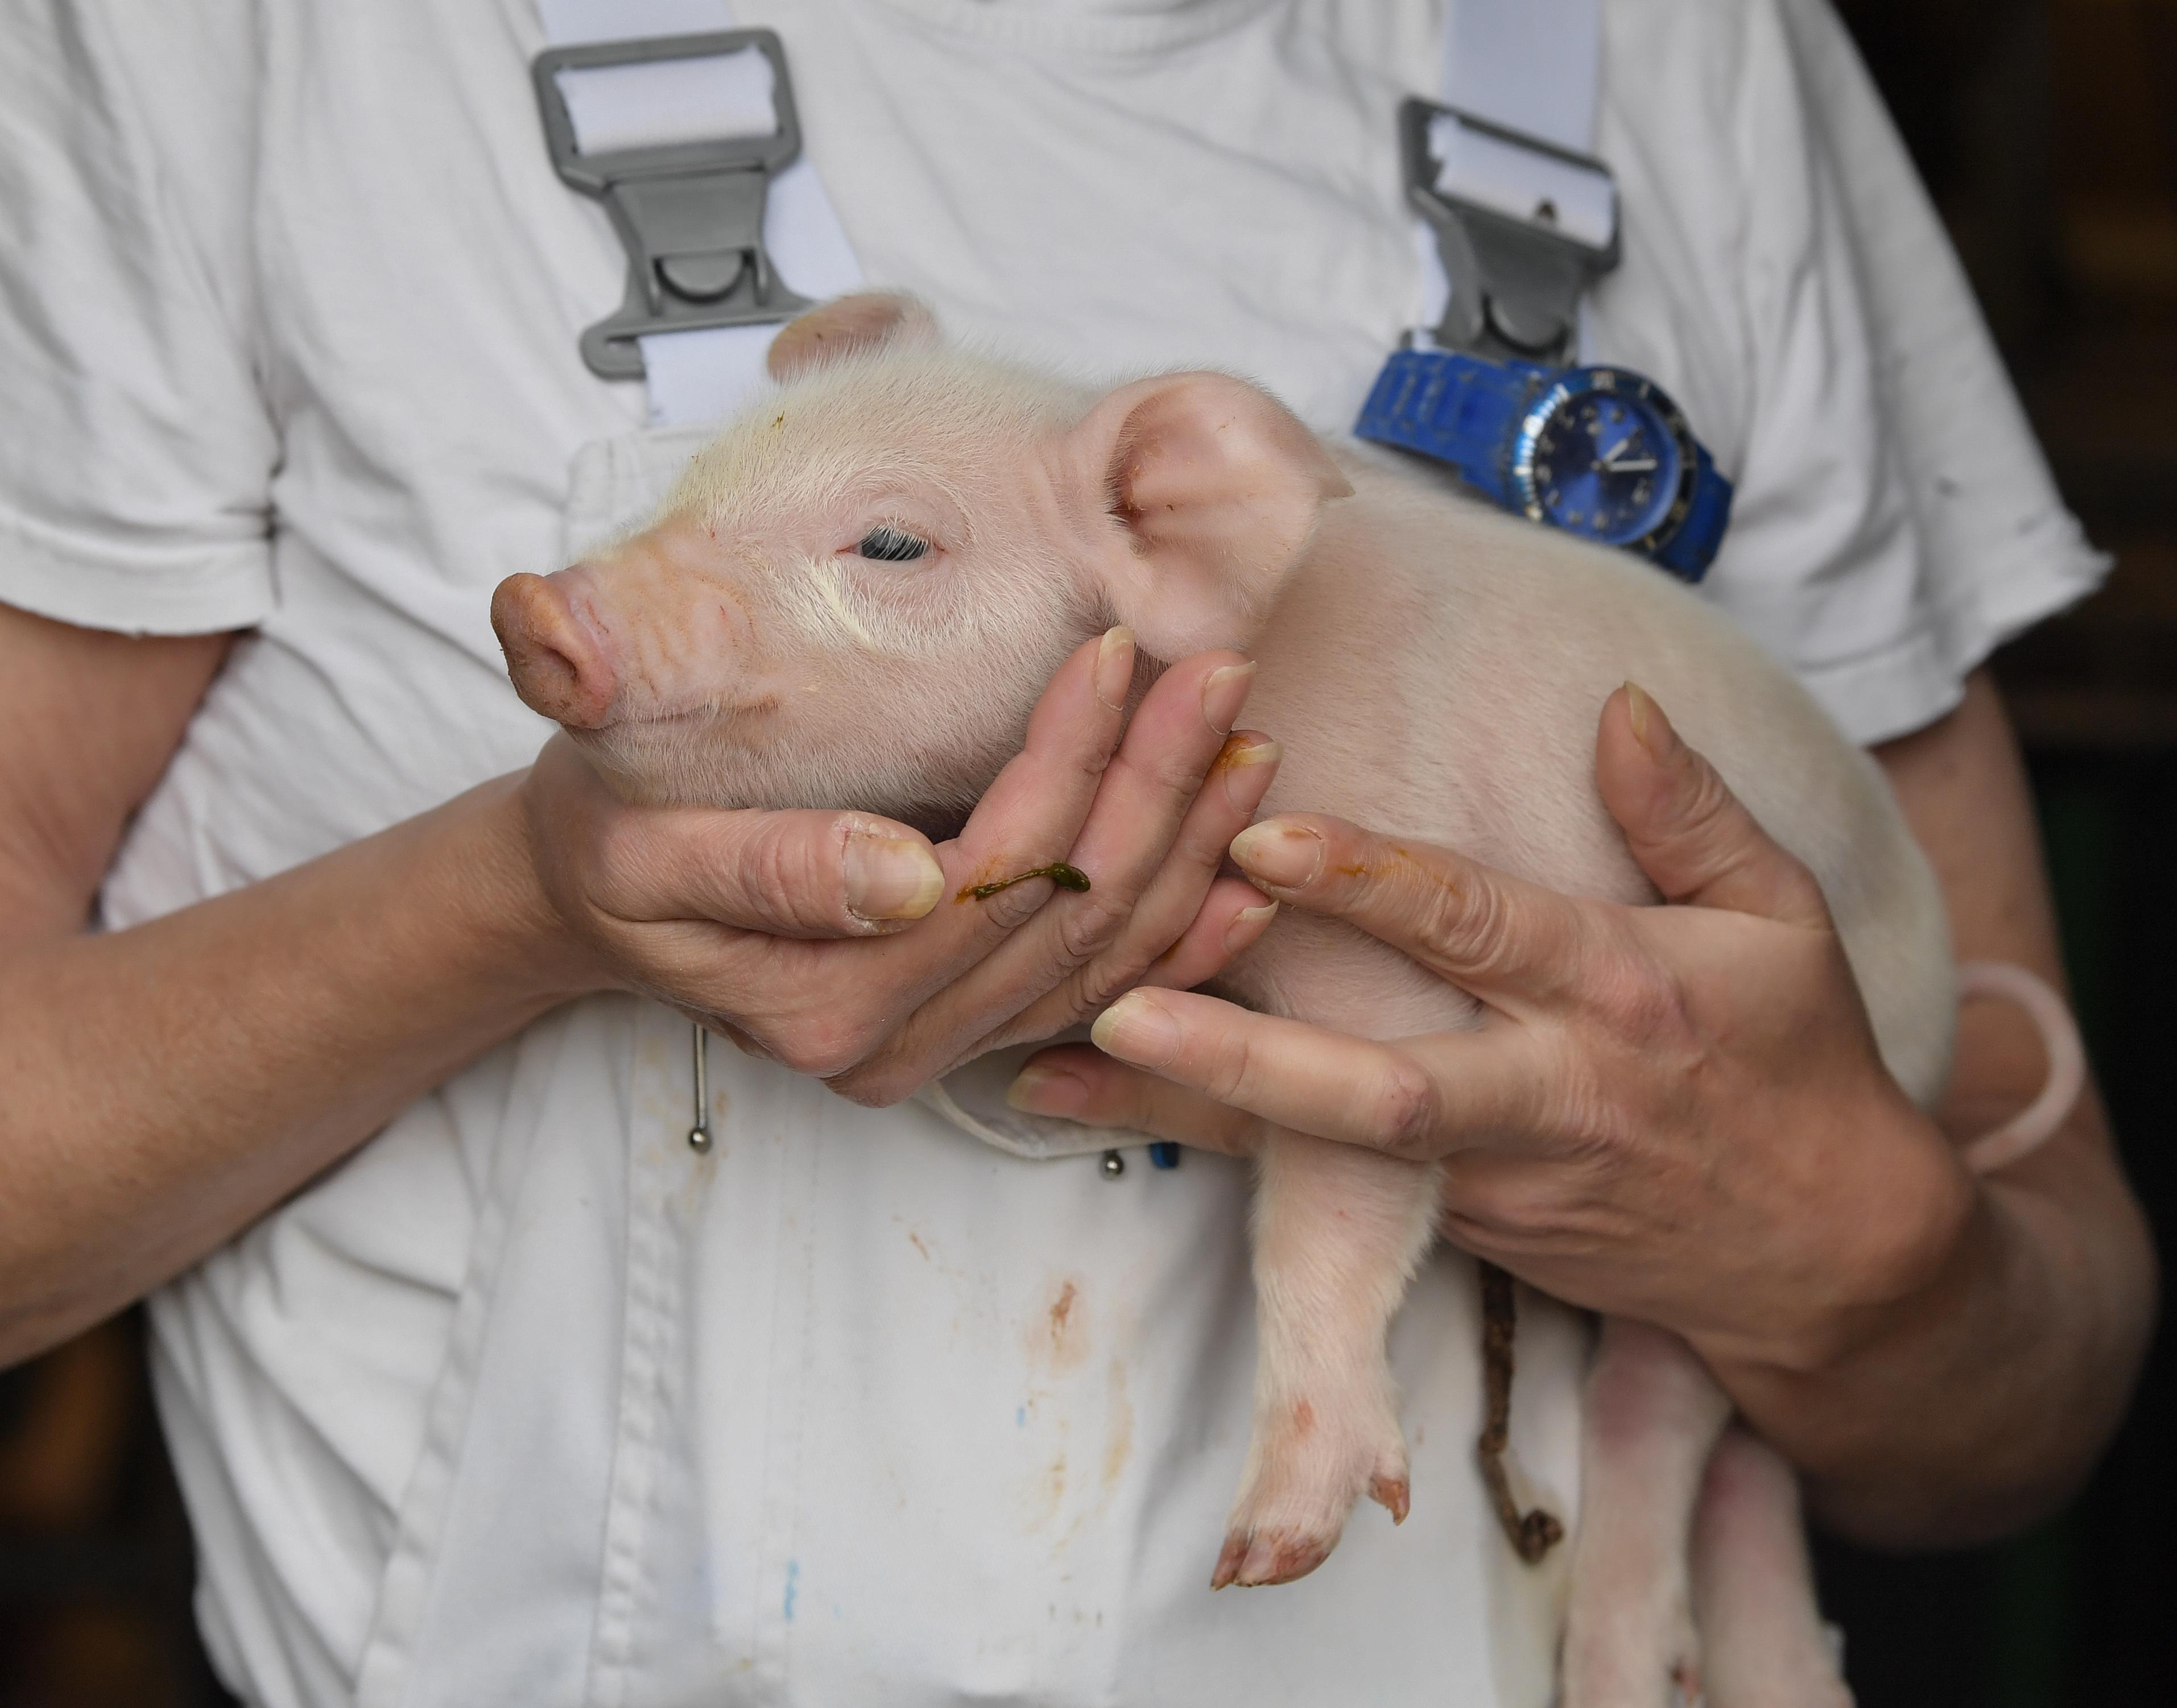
(526, 1402)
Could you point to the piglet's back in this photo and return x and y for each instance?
(1438, 669)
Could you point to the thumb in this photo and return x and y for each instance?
(1690, 833)
(793, 874)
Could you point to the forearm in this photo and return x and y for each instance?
(1978, 1402)
(1979, 1399)
(166, 1084)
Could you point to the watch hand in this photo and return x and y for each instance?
(1607, 463)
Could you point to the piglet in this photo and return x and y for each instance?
(927, 534)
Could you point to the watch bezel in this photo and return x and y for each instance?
(1581, 382)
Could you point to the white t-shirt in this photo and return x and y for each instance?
(526, 1402)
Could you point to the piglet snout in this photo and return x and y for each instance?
(558, 665)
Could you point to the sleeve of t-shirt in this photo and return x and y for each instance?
(136, 450)
(1997, 548)
(1894, 520)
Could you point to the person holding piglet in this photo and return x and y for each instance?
(475, 1393)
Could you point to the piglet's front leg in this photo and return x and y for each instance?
(1338, 1231)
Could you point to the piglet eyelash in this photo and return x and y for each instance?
(887, 544)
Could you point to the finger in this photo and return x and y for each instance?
(1075, 1082)
(1513, 943)
(1419, 1098)
(1232, 919)
(1033, 812)
(739, 1040)
(1170, 912)
(822, 1015)
(786, 874)
(1690, 833)
(1029, 817)
(1141, 806)
(1189, 923)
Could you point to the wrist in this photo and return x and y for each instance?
(1905, 1265)
(519, 931)
(1897, 1248)
(1918, 1246)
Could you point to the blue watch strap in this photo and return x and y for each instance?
(1459, 409)
(1467, 411)
(1687, 552)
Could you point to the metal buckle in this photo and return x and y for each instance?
(1515, 283)
(690, 214)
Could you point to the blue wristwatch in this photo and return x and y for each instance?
(1600, 452)
(1522, 228)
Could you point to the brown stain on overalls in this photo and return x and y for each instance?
(1058, 1334)
(1118, 1428)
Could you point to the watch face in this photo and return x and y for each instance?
(1606, 455)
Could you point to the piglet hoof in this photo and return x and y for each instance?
(1303, 1478)
(1646, 1656)
(1392, 1493)
(1253, 1557)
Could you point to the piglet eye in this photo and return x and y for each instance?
(890, 545)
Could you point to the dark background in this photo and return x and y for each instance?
(2048, 131)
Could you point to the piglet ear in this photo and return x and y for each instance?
(1210, 489)
(848, 326)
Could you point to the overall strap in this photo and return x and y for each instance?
(701, 375)
(1532, 68)
(1529, 65)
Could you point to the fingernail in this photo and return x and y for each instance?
(1136, 1030)
(1224, 693)
(1115, 667)
(890, 879)
(1288, 856)
(1247, 924)
(1650, 728)
(1245, 761)
(1039, 1090)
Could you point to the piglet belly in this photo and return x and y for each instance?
(1328, 974)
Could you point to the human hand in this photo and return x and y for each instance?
(844, 944)
(1677, 1114)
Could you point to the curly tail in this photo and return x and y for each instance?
(2067, 1061)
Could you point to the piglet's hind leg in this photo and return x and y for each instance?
(1762, 1641)
(1653, 1415)
(1339, 1229)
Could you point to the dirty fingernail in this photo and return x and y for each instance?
(1134, 1029)
(1247, 762)
(890, 879)
(1651, 728)
(1224, 693)
(1040, 1090)
(1289, 856)
(1115, 667)
(1247, 924)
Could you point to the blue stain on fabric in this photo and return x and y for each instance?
(792, 1580)
(1020, 1417)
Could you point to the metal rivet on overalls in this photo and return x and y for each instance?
(699, 1135)
(1114, 1164)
